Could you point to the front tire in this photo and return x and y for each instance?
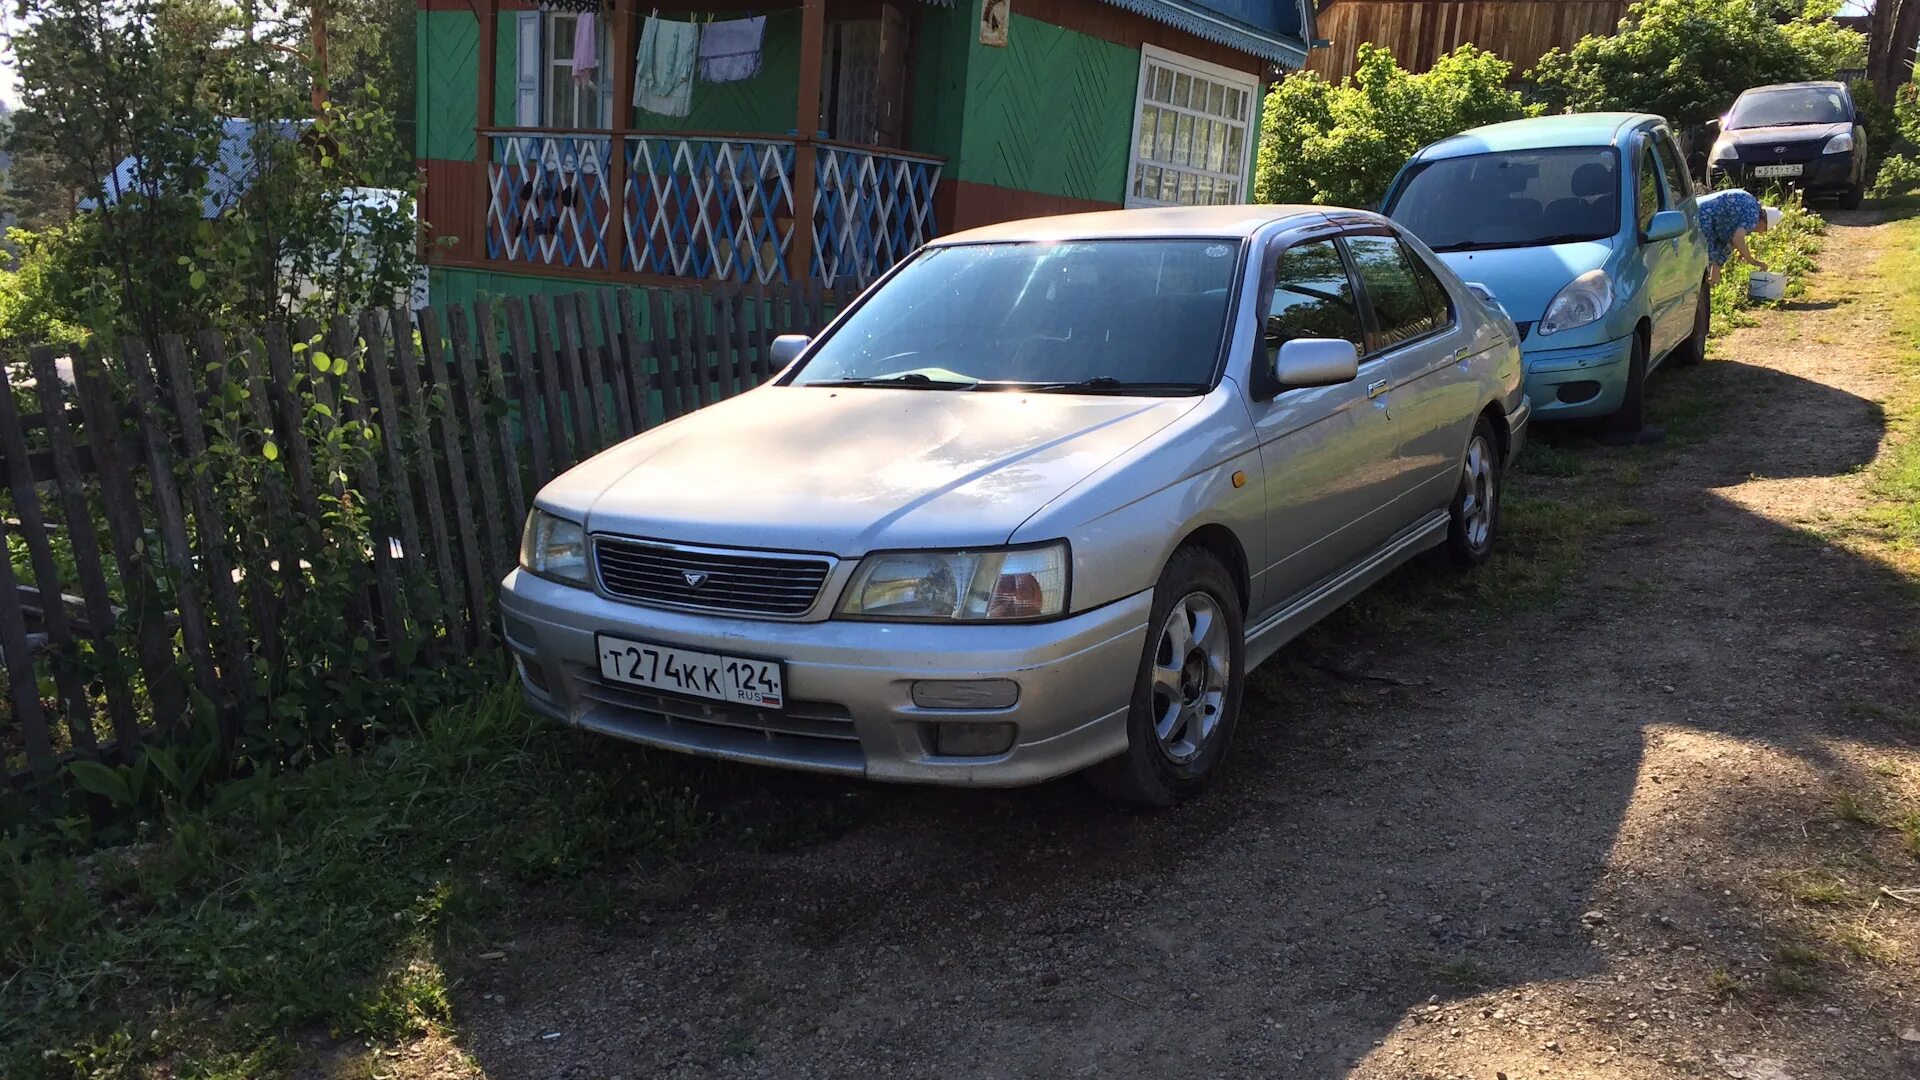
(1186, 694)
(1694, 349)
(1474, 519)
(1627, 421)
(1851, 198)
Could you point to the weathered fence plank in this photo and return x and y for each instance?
(372, 487)
(619, 370)
(439, 402)
(270, 608)
(639, 354)
(495, 382)
(546, 339)
(427, 473)
(475, 418)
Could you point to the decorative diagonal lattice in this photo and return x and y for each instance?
(548, 200)
(709, 208)
(870, 210)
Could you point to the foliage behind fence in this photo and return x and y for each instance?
(284, 541)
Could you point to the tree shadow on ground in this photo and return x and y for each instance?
(1410, 814)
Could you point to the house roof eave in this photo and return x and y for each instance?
(1276, 48)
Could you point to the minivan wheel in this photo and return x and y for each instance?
(1475, 515)
(1186, 694)
(1625, 424)
(1694, 349)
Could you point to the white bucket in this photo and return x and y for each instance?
(1765, 286)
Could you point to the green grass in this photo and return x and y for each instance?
(1895, 476)
(337, 897)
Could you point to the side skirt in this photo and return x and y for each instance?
(1271, 633)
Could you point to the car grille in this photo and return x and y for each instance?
(807, 734)
(742, 582)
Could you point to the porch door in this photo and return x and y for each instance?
(863, 86)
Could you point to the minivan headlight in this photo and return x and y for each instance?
(554, 548)
(1839, 144)
(1583, 300)
(1002, 585)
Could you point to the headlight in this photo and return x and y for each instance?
(1840, 144)
(1722, 151)
(960, 586)
(1585, 299)
(555, 548)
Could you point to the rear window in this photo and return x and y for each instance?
(1523, 198)
(1403, 305)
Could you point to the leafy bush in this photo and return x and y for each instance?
(1906, 112)
(1883, 127)
(1341, 144)
(1898, 175)
(1787, 248)
(1688, 59)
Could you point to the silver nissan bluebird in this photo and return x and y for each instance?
(1034, 504)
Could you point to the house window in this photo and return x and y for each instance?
(1190, 126)
(548, 94)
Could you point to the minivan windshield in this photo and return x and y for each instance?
(1783, 108)
(1095, 316)
(1514, 198)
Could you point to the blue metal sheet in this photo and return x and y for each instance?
(1273, 30)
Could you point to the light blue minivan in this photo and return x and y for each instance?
(1584, 227)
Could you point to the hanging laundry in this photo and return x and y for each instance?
(586, 49)
(730, 50)
(663, 72)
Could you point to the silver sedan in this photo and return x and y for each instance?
(1034, 504)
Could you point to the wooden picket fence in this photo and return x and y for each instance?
(125, 602)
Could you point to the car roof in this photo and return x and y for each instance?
(1167, 221)
(1539, 133)
(1821, 84)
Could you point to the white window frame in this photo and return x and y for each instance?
(538, 67)
(1151, 57)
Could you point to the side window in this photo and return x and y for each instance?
(1646, 202)
(1673, 168)
(1438, 305)
(1312, 298)
(1401, 307)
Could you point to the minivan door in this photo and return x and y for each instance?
(1662, 261)
(1327, 452)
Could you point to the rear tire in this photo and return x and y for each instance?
(1474, 519)
(1186, 694)
(1694, 349)
(1625, 423)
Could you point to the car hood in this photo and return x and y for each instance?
(851, 470)
(1525, 280)
(1766, 138)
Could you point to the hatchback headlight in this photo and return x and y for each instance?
(1722, 150)
(1002, 585)
(1585, 299)
(554, 548)
(1839, 144)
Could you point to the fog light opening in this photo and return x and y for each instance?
(532, 674)
(961, 739)
(967, 694)
(1573, 393)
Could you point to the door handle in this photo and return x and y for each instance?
(1375, 389)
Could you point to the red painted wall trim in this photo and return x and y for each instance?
(962, 204)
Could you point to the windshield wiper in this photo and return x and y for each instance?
(1542, 241)
(1102, 384)
(908, 380)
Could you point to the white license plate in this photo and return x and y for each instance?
(738, 680)
(1770, 171)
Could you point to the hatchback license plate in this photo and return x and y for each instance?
(1771, 171)
(738, 680)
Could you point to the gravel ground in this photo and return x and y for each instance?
(1645, 831)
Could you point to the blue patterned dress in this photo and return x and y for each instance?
(1722, 214)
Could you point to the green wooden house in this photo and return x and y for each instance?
(869, 127)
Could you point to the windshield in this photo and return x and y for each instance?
(1777, 108)
(1520, 198)
(1103, 315)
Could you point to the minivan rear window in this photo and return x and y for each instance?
(1515, 198)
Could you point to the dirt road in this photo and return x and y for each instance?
(1641, 831)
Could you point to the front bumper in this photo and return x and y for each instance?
(1566, 384)
(850, 708)
(1825, 172)
(1517, 427)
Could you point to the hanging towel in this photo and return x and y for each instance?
(730, 51)
(586, 49)
(663, 74)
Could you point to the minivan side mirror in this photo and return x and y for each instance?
(786, 349)
(1316, 362)
(1666, 225)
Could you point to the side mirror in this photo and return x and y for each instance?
(1666, 225)
(1316, 362)
(786, 349)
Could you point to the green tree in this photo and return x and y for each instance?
(218, 225)
(1341, 144)
(1688, 59)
